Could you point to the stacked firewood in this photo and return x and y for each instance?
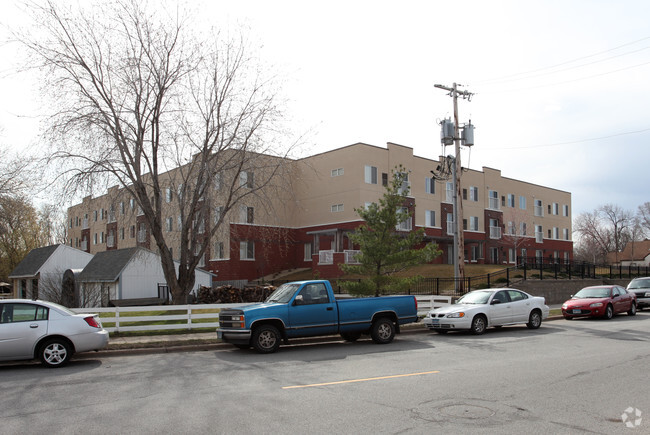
(228, 294)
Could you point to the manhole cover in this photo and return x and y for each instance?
(464, 410)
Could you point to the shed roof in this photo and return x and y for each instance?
(33, 262)
(107, 265)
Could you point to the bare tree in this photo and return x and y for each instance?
(139, 94)
(607, 228)
(515, 235)
(643, 214)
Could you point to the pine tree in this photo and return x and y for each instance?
(386, 250)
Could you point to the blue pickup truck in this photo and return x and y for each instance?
(309, 308)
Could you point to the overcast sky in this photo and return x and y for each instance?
(562, 89)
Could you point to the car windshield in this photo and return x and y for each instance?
(640, 283)
(283, 294)
(475, 297)
(593, 292)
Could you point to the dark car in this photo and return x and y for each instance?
(600, 301)
(641, 288)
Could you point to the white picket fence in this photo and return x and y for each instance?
(193, 316)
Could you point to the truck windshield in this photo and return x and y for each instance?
(283, 294)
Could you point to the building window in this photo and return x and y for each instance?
(539, 209)
(218, 251)
(539, 234)
(450, 224)
(307, 252)
(495, 229)
(200, 228)
(370, 174)
(95, 239)
(523, 253)
(384, 179)
(337, 172)
(493, 197)
(132, 231)
(473, 193)
(122, 233)
(522, 228)
(247, 250)
(449, 191)
(246, 179)
(556, 233)
(565, 210)
(246, 214)
(101, 237)
(218, 212)
(511, 255)
(430, 185)
(511, 200)
(170, 224)
(566, 233)
(179, 223)
(168, 195)
(336, 208)
(556, 208)
(95, 215)
(522, 202)
(430, 218)
(218, 181)
(132, 203)
(473, 223)
(122, 207)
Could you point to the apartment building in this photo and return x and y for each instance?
(305, 220)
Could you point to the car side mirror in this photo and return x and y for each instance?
(495, 302)
(299, 300)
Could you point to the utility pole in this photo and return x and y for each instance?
(459, 237)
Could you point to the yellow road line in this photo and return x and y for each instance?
(361, 380)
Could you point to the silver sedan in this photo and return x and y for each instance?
(47, 331)
(480, 309)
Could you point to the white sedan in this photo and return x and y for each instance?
(480, 309)
(47, 331)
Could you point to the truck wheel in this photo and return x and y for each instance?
(383, 331)
(266, 339)
(350, 336)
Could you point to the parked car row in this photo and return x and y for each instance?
(32, 329)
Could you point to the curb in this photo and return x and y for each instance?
(160, 347)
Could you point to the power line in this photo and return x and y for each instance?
(502, 78)
(574, 141)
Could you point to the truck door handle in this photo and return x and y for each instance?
(330, 308)
(33, 325)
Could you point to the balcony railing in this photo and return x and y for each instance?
(110, 241)
(326, 257)
(495, 232)
(84, 224)
(84, 245)
(351, 257)
(142, 236)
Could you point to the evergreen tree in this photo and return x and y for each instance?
(387, 244)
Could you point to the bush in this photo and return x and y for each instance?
(228, 294)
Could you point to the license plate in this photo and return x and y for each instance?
(576, 311)
(435, 321)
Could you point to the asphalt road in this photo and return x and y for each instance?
(568, 377)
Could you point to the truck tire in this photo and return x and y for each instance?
(266, 339)
(350, 336)
(382, 330)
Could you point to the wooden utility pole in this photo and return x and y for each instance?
(459, 237)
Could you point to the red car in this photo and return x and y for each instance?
(600, 301)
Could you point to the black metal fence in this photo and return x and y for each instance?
(527, 269)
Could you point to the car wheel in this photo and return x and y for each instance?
(350, 336)
(534, 320)
(479, 325)
(55, 353)
(382, 331)
(632, 311)
(609, 312)
(266, 339)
